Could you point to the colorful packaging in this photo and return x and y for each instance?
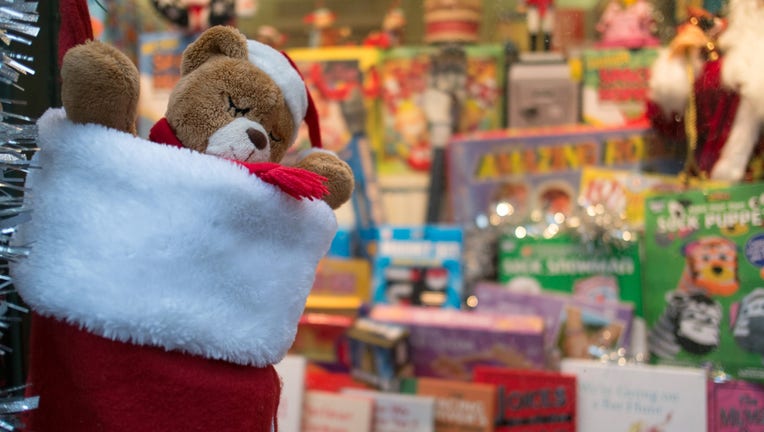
(459, 406)
(449, 343)
(615, 84)
(574, 327)
(514, 172)
(531, 401)
(417, 81)
(564, 264)
(418, 266)
(343, 85)
(735, 406)
(704, 260)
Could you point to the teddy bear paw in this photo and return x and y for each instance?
(101, 85)
(340, 181)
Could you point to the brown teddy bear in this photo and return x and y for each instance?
(166, 280)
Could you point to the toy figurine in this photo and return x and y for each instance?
(627, 24)
(539, 16)
(324, 33)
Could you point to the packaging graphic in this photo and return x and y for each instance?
(418, 84)
(449, 343)
(459, 406)
(735, 406)
(418, 266)
(531, 401)
(530, 169)
(704, 268)
(615, 84)
(562, 263)
(343, 84)
(638, 398)
(575, 327)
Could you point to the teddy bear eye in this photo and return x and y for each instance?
(236, 110)
(274, 137)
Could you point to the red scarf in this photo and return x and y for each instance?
(296, 182)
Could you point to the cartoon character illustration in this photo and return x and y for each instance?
(690, 322)
(628, 24)
(711, 267)
(411, 125)
(748, 327)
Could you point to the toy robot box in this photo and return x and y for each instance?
(704, 279)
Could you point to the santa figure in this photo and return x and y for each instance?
(709, 92)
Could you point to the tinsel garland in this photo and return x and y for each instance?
(18, 24)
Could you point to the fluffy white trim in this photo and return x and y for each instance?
(669, 85)
(744, 53)
(162, 246)
(278, 67)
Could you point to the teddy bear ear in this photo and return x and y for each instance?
(215, 41)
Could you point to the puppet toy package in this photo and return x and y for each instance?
(704, 279)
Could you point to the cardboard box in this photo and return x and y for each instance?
(449, 343)
(704, 261)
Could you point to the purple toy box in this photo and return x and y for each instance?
(449, 343)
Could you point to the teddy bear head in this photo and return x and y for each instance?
(236, 98)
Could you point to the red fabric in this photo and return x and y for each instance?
(716, 109)
(296, 182)
(542, 5)
(311, 115)
(75, 27)
(89, 383)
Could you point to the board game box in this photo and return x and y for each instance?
(565, 264)
(615, 84)
(574, 327)
(523, 170)
(531, 401)
(418, 266)
(449, 343)
(704, 261)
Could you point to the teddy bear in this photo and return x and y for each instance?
(167, 276)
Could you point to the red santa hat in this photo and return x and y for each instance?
(285, 74)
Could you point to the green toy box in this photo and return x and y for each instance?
(704, 287)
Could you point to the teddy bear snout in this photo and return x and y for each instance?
(258, 138)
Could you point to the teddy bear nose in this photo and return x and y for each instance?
(258, 138)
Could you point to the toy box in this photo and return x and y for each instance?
(615, 84)
(623, 193)
(563, 263)
(380, 353)
(417, 83)
(418, 266)
(449, 343)
(343, 85)
(341, 284)
(459, 406)
(704, 260)
(574, 327)
(540, 168)
(541, 93)
(638, 397)
(321, 339)
(531, 401)
(735, 406)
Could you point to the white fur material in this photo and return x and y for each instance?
(162, 246)
(232, 142)
(278, 67)
(669, 84)
(744, 134)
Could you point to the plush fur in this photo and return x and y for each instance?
(90, 94)
(174, 248)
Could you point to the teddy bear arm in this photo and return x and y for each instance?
(340, 182)
(101, 85)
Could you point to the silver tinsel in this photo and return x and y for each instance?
(18, 136)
